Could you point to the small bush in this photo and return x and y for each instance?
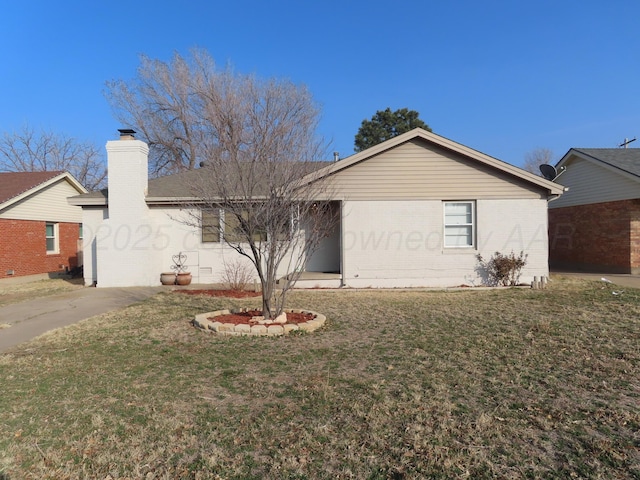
(237, 275)
(503, 269)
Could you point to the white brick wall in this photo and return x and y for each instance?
(399, 243)
(174, 228)
(91, 221)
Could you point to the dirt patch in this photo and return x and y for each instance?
(221, 293)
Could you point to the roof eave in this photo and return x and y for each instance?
(196, 200)
(87, 201)
(171, 200)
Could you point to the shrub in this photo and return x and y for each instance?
(237, 275)
(503, 269)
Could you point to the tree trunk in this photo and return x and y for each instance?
(267, 294)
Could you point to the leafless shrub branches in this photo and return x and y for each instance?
(237, 274)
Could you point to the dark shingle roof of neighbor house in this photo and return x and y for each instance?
(626, 159)
(13, 184)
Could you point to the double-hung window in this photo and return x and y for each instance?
(459, 224)
(51, 236)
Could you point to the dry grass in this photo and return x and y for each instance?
(19, 292)
(475, 384)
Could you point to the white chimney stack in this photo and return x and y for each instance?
(125, 256)
(128, 178)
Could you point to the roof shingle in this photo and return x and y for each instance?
(13, 184)
(627, 159)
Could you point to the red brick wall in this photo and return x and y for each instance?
(599, 237)
(634, 215)
(23, 247)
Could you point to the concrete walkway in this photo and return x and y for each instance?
(32, 318)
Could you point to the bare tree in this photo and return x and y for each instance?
(535, 158)
(161, 105)
(30, 151)
(256, 140)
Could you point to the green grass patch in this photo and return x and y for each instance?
(509, 383)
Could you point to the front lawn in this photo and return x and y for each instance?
(509, 383)
(20, 292)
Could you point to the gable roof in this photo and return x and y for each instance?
(171, 188)
(625, 161)
(552, 188)
(14, 186)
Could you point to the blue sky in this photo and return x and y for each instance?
(503, 77)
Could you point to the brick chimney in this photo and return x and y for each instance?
(124, 254)
(128, 180)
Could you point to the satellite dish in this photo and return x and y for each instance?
(548, 171)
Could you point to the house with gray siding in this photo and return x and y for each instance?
(415, 211)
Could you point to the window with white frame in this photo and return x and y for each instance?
(51, 235)
(459, 224)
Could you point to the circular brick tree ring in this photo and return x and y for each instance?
(207, 321)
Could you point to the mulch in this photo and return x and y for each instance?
(221, 293)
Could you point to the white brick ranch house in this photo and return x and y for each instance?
(414, 212)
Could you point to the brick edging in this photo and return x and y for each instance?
(202, 321)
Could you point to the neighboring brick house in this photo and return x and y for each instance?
(40, 229)
(595, 226)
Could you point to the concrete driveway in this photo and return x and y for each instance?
(32, 318)
(622, 279)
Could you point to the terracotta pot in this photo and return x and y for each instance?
(183, 278)
(168, 278)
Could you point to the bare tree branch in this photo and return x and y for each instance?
(29, 151)
(162, 107)
(256, 139)
(535, 158)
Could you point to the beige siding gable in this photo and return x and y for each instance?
(590, 183)
(47, 204)
(419, 170)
